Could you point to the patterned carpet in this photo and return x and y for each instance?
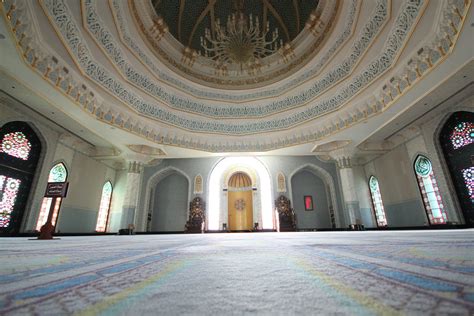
(353, 273)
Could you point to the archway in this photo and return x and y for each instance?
(330, 190)
(240, 202)
(457, 141)
(20, 149)
(262, 197)
(310, 200)
(173, 186)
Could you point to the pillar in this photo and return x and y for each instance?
(130, 201)
(344, 160)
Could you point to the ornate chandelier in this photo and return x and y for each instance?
(241, 42)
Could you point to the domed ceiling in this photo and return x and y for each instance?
(130, 71)
(188, 20)
(235, 44)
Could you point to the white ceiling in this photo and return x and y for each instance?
(369, 120)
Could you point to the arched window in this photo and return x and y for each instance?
(9, 190)
(429, 191)
(104, 208)
(377, 202)
(462, 135)
(16, 144)
(457, 141)
(19, 153)
(58, 173)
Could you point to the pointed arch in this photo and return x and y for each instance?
(20, 150)
(377, 203)
(329, 181)
(430, 194)
(57, 173)
(218, 180)
(104, 207)
(150, 187)
(456, 140)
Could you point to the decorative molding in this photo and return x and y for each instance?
(166, 49)
(40, 60)
(62, 20)
(164, 78)
(104, 39)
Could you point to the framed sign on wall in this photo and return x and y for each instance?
(308, 203)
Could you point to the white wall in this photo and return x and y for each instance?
(86, 175)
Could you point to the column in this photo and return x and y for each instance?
(130, 201)
(344, 160)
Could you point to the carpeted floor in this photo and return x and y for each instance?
(394, 272)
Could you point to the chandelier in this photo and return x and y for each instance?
(242, 42)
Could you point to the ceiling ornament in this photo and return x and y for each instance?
(60, 17)
(40, 59)
(241, 43)
(105, 40)
(146, 150)
(170, 50)
(128, 41)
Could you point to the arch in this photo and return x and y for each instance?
(20, 150)
(429, 191)
(377, 203)
(329, 181)
(456, 139)
(104, 207)
(57, 173)
(150, 187)
(239, 180)
(262, 186)
(240, 202)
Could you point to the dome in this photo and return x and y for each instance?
(125, 74)
(220, 44)
(239, 180)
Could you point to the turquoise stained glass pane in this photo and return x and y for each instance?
(58, 173)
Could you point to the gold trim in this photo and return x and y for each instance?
(220, 83)
(359, 4)
(366, 115)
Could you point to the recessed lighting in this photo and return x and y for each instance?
(2, 36)
(13, 87)
(52, 112)
(426, 103)
(81, 131)
(464, 76)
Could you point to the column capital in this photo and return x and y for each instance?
(134, 166)
(344, 157)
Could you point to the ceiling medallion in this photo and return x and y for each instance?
(242, 42)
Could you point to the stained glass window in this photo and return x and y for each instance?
(104, 207)
(429, 191)
(16, 144)
(468, 176)
(462, 135)
(8, 192)
(57, 174)
(377, 202)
